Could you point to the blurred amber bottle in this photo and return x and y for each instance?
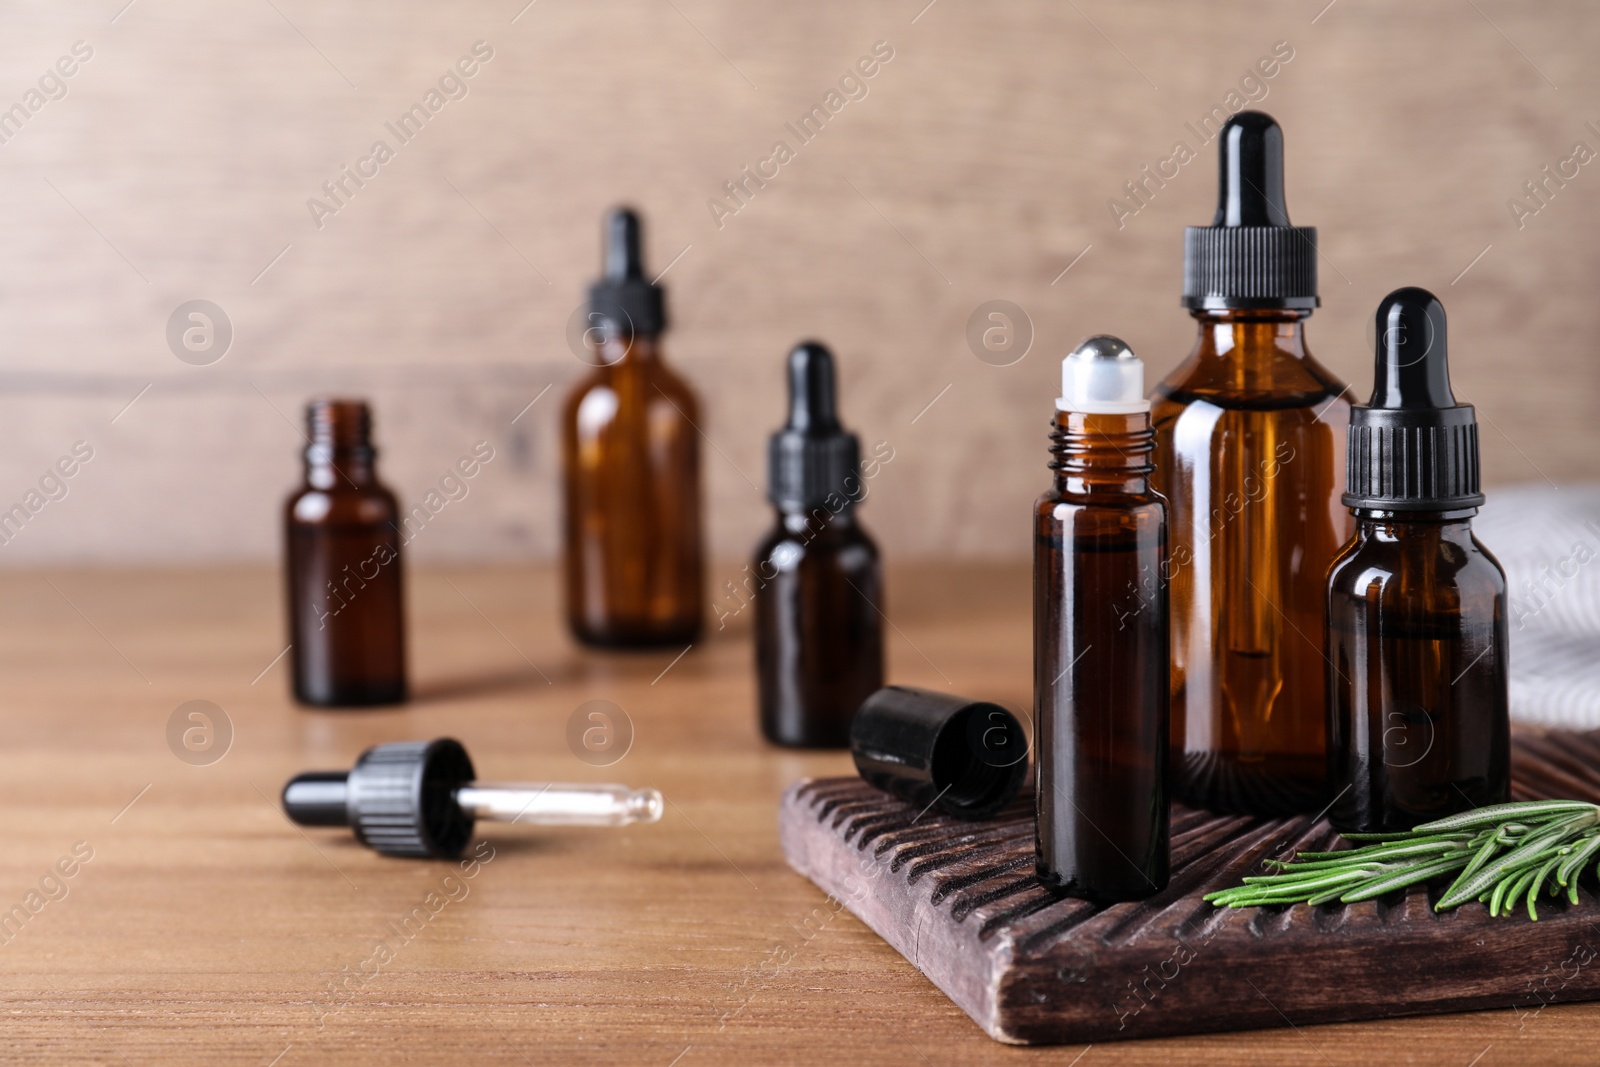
(632, 468)
(819, 631)
(343, 577)
(1250, 440)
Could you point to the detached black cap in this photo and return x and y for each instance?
(1412, 447)
(812, 457)
(1250, 256)
(624, 301)
(398, 798)
(968, 756)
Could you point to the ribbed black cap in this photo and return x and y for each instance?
(812, 457)
(969, 756)
(625, 302)
(399, 798)
(1412, 447)
(1250, 256)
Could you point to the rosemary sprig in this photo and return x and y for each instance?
(1504, 855)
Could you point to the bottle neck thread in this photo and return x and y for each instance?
(340, 449)
(1092, 453)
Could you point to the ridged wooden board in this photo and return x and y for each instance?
(960, 901)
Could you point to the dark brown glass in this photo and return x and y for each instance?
(1418, 725)
(343, 576)
(1100, 663)
(632, 461)
(1250, 446)
(819, 634)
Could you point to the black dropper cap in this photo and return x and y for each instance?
(812, 457)
(399, 798)
(625, 302)
(1412, 447)
(969, 756)
(1250, 256)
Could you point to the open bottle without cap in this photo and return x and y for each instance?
(342, 568)
(1418, 721)
(1100, 631)
(1250, 440)
(631, 466)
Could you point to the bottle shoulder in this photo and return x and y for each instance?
(342, 505)
(605, 391)
(1452, 568)
(1274, 380)
(786, 547)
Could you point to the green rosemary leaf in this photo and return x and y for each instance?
(1504, 856)
(1497, 898)
(1496, 813)
(1538, 880)
(1521, 889)
(1533, 846)
(1400, 879)
(1580, 855)
(1484, 853)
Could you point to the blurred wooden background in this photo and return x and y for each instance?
(979, 165)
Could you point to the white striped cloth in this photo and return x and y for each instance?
(1548, 541)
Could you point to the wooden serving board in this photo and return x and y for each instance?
(961, 902)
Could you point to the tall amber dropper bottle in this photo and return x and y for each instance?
(342, 567)
(631, 456)
(1418, 723)
(1100, 639)
(1250, 440)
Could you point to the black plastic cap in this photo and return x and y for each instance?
(399, 798)
(1250, 256)
(626, 304)
(813, 457)
(1412, 447)
(969, 757)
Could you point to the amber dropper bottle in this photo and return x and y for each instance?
(1250, 437)
(343, 577)
(1418, 726)
(1100, 638)
(631, 459)
(819, 634)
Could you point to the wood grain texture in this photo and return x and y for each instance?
(207, 931)
(979, 166)
(961, 901)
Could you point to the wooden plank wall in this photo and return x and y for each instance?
(977, 163)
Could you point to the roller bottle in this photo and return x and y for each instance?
(1250, 438)
(1101, 638)
(819, 631)
(342, 569)
(1418, 724)
(631, 461)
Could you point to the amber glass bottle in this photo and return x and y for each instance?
(1418, 723)
(343, 577)
(819, 631)
(1100, 638)
(631, 458)
(1250, 438)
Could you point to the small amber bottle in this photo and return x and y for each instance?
(632, 469)
(1100, 688)
(1418, 726)
(343, 576)
(819, 627)
(1250, 437)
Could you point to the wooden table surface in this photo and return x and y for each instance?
(206, 929)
